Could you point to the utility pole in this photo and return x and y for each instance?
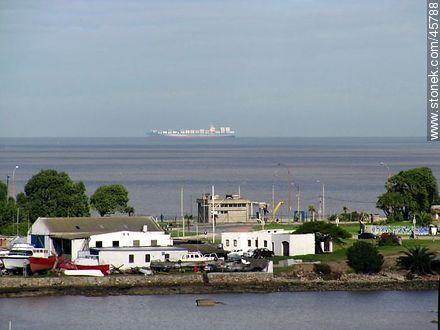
(181, 210)
(289, 195)
(299, 198)
(273, 197)
(323, 201)
(213, 215)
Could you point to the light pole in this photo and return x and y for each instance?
(387, 167)
(13, 182)
(322, 199)
(289, 191)
(275, 175)
(213, 215)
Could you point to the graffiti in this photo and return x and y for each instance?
(398, 230)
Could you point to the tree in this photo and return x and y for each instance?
(8, 209)
(110, 199)
(312, 211)
(408, 192)
(364, 257)
(417, 260)
(53, 194)
(3, 192)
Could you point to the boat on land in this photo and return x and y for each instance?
(19, 256)
(83, 272)
(41, 264)
(86, 263)
(211, 132)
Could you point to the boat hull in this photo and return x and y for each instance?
(104, 269)
(83, 272)
(42, 264)
(15, 262)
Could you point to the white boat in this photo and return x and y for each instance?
(18, 257)
(197, 256)
(83, 272)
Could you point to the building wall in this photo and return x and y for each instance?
(78, 245)
(257, 239)
(299, 244)
(127, 238)
(120, 258)
(227, 210)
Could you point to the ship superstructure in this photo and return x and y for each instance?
(195, 133)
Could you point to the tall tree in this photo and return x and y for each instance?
(53, 194)
(111, 199)
(409, 192)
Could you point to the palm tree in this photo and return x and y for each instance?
(417, 260)
(345, 210)
(312, 210)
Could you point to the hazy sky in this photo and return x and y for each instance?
(266, 68)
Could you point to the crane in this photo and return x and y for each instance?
(276, 209)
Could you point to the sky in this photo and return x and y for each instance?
(109, 68)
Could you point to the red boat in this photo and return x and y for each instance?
(86, 263)
(39, 264)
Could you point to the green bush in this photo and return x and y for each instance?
(364, 257)
(389, 239)
(336, 233)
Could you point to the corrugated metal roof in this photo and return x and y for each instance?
(84, 227)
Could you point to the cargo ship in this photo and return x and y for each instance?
(211, 132)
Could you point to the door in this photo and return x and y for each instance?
(285, 248)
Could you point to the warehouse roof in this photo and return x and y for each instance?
(86, 226)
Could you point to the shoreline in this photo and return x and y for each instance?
(14, 287)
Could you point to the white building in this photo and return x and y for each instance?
(229, 209)
(129, 257)
(281, 242)
(116, 237)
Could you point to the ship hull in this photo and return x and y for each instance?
(181, 136)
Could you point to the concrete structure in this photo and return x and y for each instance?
(230, 209)
(282, 243)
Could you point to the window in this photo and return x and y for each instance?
(256, 243)
(136, 242)
(154, 242)
(98, 244)
(235, 243)
(265, 243)
(167, 256)
(147, 258)
(227, 242)
(131, 258)
(115, 243)
(249, 242)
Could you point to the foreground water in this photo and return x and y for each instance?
(154, 170)
(300, 310)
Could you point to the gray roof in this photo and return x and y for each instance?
(84, 227)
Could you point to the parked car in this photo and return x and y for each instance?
(262, 253)
(367, 236)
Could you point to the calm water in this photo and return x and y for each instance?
(308, 310)
(154, 170)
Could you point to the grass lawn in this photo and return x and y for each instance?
(340, 250)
